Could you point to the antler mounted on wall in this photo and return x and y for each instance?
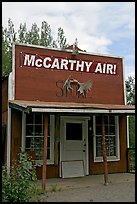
(82, 88)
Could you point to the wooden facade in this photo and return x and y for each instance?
(53, 170)
(50, 80)
(33, 82)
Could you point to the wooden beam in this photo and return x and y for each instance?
(57, 134)
(104, 152)
(45, 151)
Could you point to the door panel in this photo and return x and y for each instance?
(73, 146)
(76, 155)
(76, 170)
(73, 141)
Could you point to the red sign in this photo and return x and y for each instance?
(55, 75)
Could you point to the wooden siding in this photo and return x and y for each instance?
(4, 143)
(52, 171)
(48, 83)
(4, 94)
(16, 133)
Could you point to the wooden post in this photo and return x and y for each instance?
(45, 151)
(104, 152)
(57, 133)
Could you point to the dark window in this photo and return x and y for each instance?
(73, 131)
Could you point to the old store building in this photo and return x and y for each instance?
(62, 96)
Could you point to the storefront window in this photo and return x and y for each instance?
(111, 137)
(35, 136)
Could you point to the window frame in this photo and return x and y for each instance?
(109, 158)
(52, 132)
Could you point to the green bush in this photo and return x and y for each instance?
(132, 131)
(18, 185)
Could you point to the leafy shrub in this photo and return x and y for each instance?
(132, 131)
(19, 183)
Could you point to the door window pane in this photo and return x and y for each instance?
(73, 131)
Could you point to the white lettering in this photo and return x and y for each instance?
(72, 64)
(109, 68)
(115, 68)
(98, 68)
(29, 62)
(44, 62)
(104, 68)
(88, 65)
(37, 63)
(64, 64)
(55, 64)
(78, 65)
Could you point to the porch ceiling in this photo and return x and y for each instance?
(70, 107)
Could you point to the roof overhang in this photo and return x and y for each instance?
(69, 107)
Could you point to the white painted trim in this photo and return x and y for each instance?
(109, 159)
(52, 132)
(66, 50)
(87, 153)
(75, 118)
(13, 71)
(9, 140)
(127, 131)
(10, 86)
(69, 110)
(117, 137)
(11, 91)
(123, 111)
(124, 85)
(84, 121)
(80, 110)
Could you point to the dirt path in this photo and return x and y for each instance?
(121, 188)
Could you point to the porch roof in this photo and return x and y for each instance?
(70, 107)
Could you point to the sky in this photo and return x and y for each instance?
(99, 27)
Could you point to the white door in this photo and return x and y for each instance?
(74, 146)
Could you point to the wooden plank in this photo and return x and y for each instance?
(72, 169)
(45, 151)
(57, 134)
(104, 152)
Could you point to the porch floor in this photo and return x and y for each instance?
(57, 184)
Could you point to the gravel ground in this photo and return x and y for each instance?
(121, 188)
